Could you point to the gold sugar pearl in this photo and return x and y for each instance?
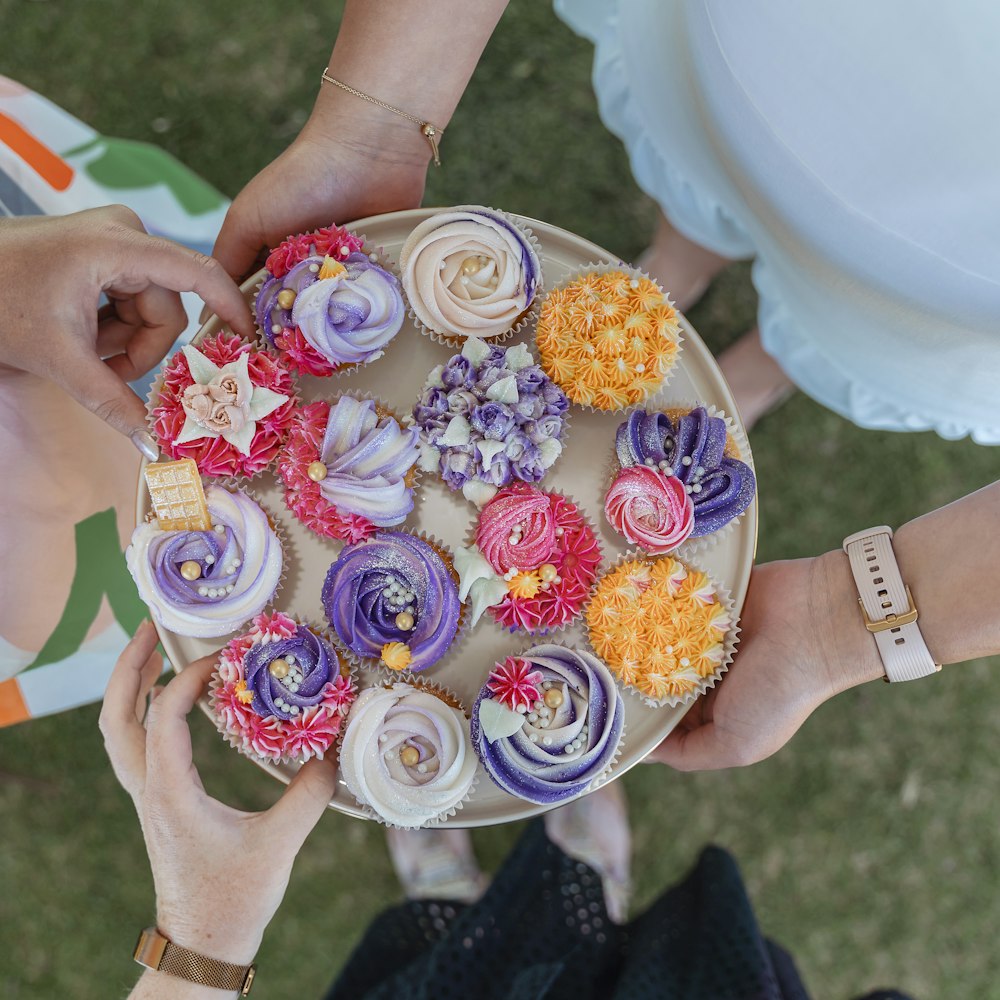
(191, 570)
(278, 668)
(410, 756)
(553, 698)
(286, 298)
(471, 265)
(547, 572)
(316, 472)
(404, 621)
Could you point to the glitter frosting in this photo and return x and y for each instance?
(239, 566)
(406, 755)
(651, 509)
(556, 752)
(691, 447)
(374, 584)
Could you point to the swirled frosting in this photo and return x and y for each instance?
(311, 663)
(650, 509)
(555, 752)
(346, 318)
(406, 755)
(691, 447)
(469, 272)
(393, 588)
(238, 565)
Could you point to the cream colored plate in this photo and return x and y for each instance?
(398, 378)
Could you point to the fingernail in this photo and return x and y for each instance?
(145, 444)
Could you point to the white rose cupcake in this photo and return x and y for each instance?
(208, 583)
(406, 754)
(469, 272)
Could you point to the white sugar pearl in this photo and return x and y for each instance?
(387, 592)
(547, 741)
(634, 283)
(546, 685)
(344, 252)
(275, 328)
(422, 768)
(668, 470)
(640, 367)
(686, 460)
(560, 532)
(203, 591)
(532, 717)
(290, 659)
(294, 709)
(314, 268)
(696, 488)
(651, 462)
(533, 737)
(522, 708)
(237, 563)
(685, 662)
(537, 705)
(668, 649)
(545, 713)
(411, 609)
(568, 748)
(209, 560)
(383, 738)
(220, 528)
(700, 471)
(229, 588)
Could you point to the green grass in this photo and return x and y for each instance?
(870, 844)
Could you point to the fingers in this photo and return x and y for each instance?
(95, 385)
(161, 318)
(305, 800)
(690, 750)
(124, 738)
(235, 248)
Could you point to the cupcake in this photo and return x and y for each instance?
(207, 583)
(225, 405)
(393, 599)
(664, 628)
(279, 692)
(608, 338)
(488, 417)
(534, 560)
(469, 272)
(406, 755)
(324, 305)
(349, 468)
(548, 723)
(682, 471)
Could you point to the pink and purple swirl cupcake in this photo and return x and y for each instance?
(548, 723)
(393, 599)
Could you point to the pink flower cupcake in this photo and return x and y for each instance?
(650, 509)
(224, 405)
(280, 692)
(534, 561)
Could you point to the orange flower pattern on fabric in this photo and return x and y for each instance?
(609, 339)
(659, 626)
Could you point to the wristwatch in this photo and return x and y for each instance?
(155, 951)
(887, 605)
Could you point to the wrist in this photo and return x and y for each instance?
(222, 937)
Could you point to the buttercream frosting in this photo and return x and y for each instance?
(651, 509)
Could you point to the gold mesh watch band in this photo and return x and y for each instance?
(155, 951)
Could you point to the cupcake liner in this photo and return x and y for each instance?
(730, 641)
(529, 315)
(547, 632)
(237, 741)
(607, 267)
(607, 773)
(377, 255)
(235, 486)
(387, 679)
(372, 666)
(412, 478)
(153, 401)
(736, 447)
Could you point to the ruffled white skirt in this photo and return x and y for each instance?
(851, 149)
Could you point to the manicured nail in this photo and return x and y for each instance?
(145, 444)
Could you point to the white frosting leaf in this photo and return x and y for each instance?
(504, 390)
(241, 439)
(489, 449)
(478, 492)
(202, 370)
(458, 432)
(498, 721)
(485, 593)
(430, 457)
(549, 450)
(473, 350)
(434, 378)
(470, 565)
(518, 357)
(265, 401)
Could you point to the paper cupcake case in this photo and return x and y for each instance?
(528, 317)
(377, 255)
(602, 268)
(608, 772)
(729, 642)
(238, 742)
(153, 398)
(386, 679)
(547, 633)
(412, 477)
(690, 548)
(375, 667)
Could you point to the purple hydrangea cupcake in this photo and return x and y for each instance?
(488, 417)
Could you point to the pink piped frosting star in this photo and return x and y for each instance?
(515, 684)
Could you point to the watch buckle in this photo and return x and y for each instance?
(149, 948)
(891, 620)
(248, 981)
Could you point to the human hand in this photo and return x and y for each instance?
(55, 269)
(219, 873)
(802, 642)
(343, 166)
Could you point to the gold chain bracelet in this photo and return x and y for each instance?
(430, 132)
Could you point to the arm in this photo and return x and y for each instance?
(219, 874)
(804, 640)
(352, 157)
(56, 270)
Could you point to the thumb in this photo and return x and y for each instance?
(305, 800)
(93, 384)
(236, 247)
(691, 749)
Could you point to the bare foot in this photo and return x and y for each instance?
(436, 864)
(684, 269)
(757, 380)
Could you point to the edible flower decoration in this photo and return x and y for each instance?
(515, 683)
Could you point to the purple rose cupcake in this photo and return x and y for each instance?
(488, 417)
(548, 723)
(393, 601)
